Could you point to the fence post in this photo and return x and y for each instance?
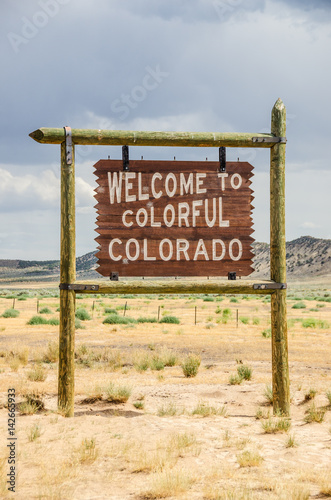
(66, 382)
(280, 371)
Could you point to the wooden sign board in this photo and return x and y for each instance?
(174, 218)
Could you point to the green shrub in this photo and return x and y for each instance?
(170, 319)
(208, 299)
(275, 425)
(37, 320)
(244, 372)
(78, 325)
(310, 394)
(314, 414)
(315, 323)
(115, 319)
(256, 321)
(157, 364)
(219, 299)
(244, 320)
(144, 319)
(266, 333)
(10, 313)
(268, 394)
(235, 379)
(52, 353)
(37, 374)
(299, 305)
(234, 300)
(53, 321)
(117, 394)
(205, 410)
(110, 310)
(191, 365)
(226, 313)
(82, 314)
(45, 310)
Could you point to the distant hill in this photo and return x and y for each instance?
(305, 256)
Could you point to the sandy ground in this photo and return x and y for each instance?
(158, 444)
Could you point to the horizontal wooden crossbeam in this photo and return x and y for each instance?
(143, 138)
(173, 286)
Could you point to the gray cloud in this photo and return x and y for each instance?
(223, 73)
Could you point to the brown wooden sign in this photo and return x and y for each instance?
(174, 218)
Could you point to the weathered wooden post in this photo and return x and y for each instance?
(280, 372)
(66, 390)
(276, 287)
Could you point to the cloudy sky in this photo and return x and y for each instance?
(191, 65)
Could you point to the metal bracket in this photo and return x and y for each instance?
(270, 286)
(125, 158)
(68, 136)
(113, 276)
(76, 287)
(275, 140)
(222, 158)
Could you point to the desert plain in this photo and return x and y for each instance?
(143, 428)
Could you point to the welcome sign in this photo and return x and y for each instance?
(174, 218)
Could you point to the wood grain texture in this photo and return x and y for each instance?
(66, 391)
(172, 286)
(280, 370)
(201, 238)
(144, 138)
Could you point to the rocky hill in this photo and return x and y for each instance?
(306, 257)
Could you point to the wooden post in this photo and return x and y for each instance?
(66, 391)
(280, 372)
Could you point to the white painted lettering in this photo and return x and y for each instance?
(127, 224)
(181, 247)
(142, 211)
(186, 186)
(215, 256)
(145, 252)
(210, 223)
(222, 176)
(128, 186)
(199, 182)
(115, 186)
(183, 213)
(111, 255)
(201, 250)
(156, 194)
(153, 223)
(222, 223)
(195, 211)
(232, 181)
(171, 192)
(127, 249)
(141, 195)
(171, 250)
(165, 216)
(240, 249)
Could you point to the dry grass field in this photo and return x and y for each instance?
(144, 430)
